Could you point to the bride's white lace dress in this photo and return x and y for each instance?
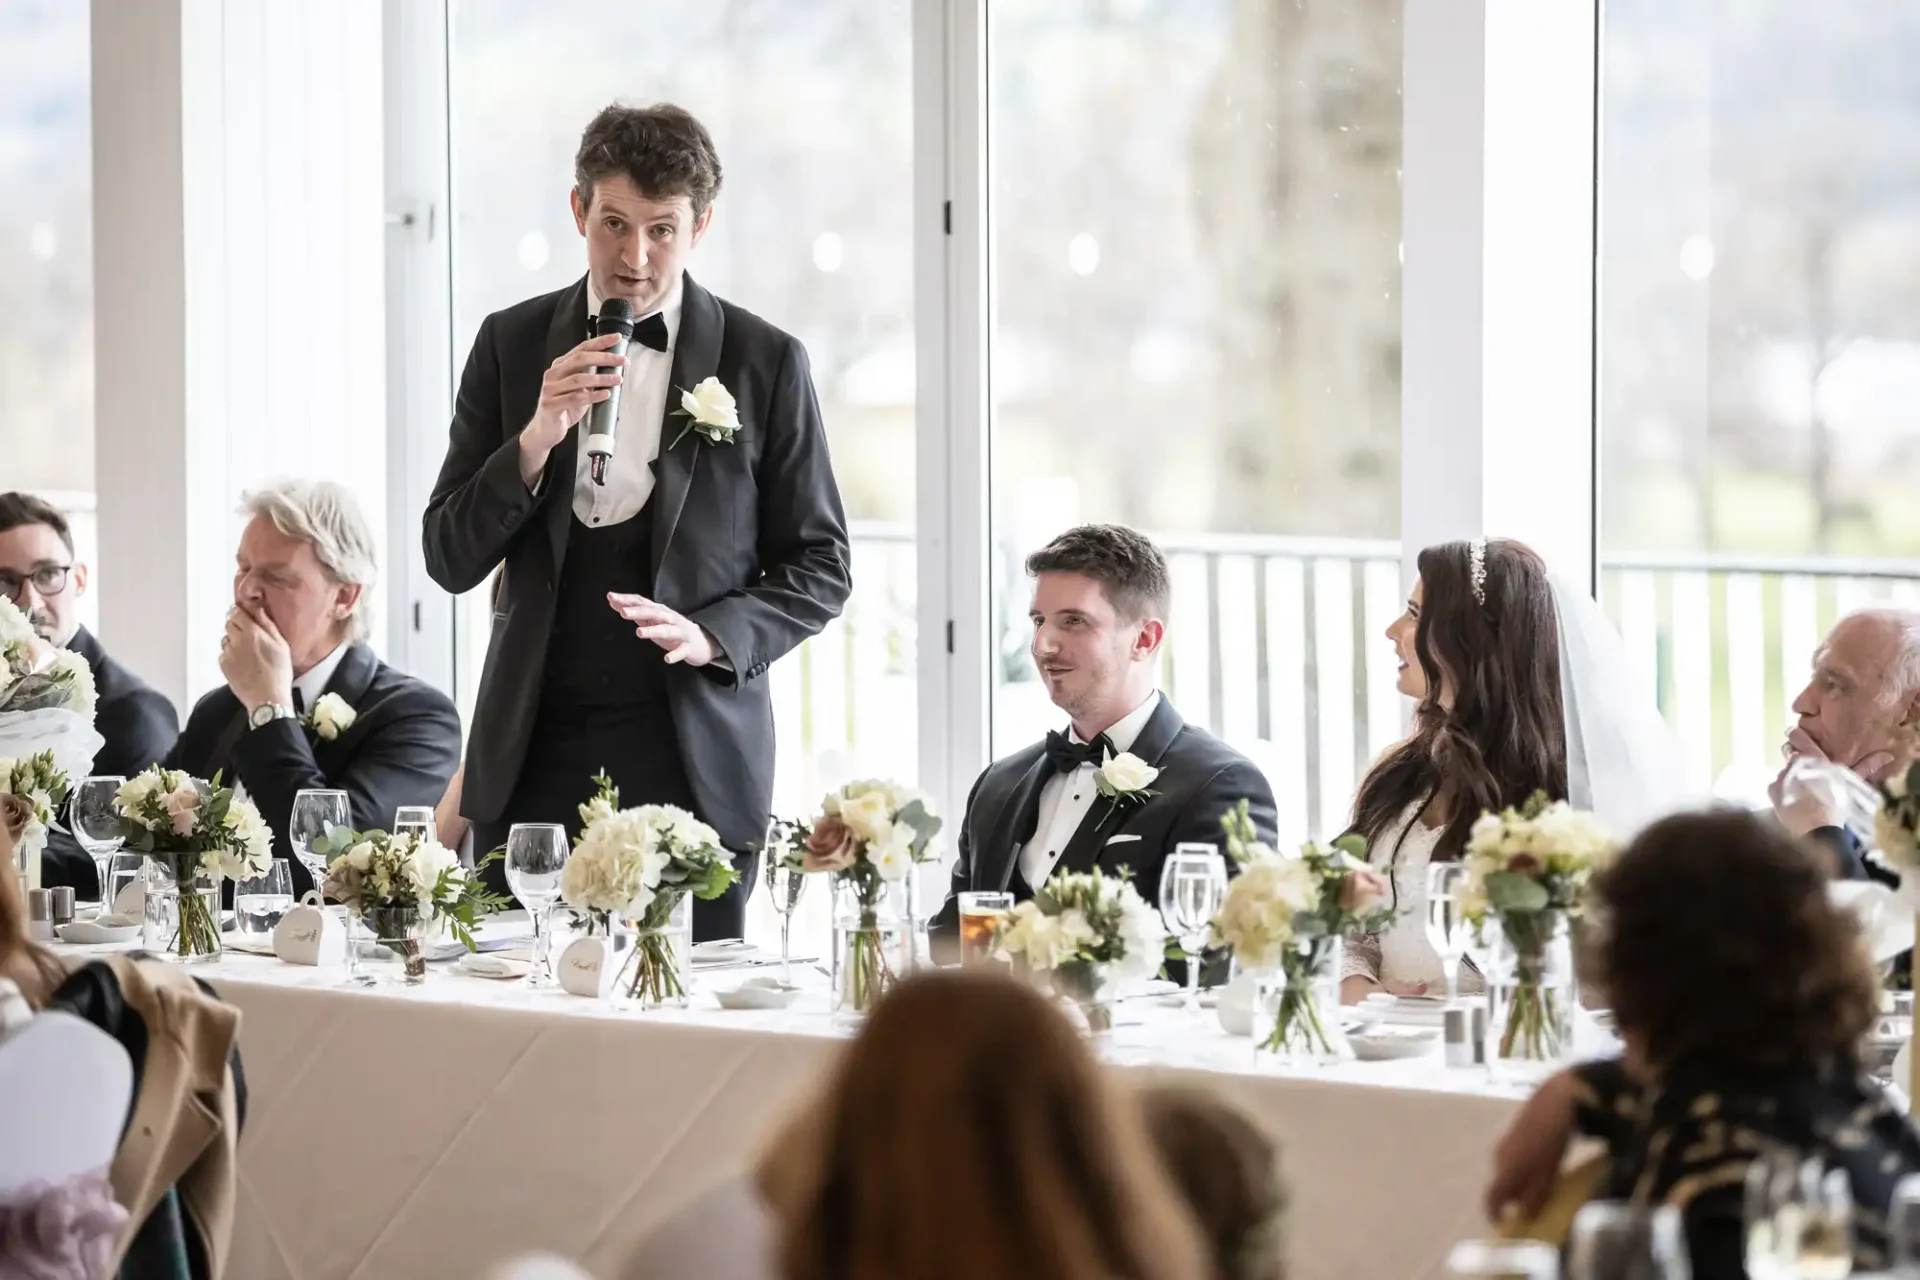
(1401, 953)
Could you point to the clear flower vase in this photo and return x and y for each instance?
(1297, 1008)
(1532, 997)
(658, 971)
(1089, 988)
(871, 941)
(182, 921)
(403, 932)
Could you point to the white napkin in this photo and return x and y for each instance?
(1885, 915)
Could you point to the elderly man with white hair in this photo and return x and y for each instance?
(306, 703)
(1861, 710)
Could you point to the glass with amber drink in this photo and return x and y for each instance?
(979, 913)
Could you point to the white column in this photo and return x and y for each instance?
(238, 282)
(1497, 287)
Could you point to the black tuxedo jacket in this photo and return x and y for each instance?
(1200, 778)
(749, 540)
(138, 724)
(402, 747)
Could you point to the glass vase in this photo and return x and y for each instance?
(403, 932)
(182, 920)
(870, 942)
(1531, 997)
(1089, 988)
(659, 969)
(1297, 1007)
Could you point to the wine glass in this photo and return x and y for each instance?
(785, 881)
(1826, 1223)
(1903, 1227)
(316, 814)
(1502, 1260)
(414, 819)
(1613, 1240)
(1446, 932)
(536, 855)
(96, 823)
(260, 902)
(1193, 881)
(1772, 1215)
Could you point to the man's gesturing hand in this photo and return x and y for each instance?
(684, 640)
(572, 386)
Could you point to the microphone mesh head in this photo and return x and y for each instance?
(616, 316)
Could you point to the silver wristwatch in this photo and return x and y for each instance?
(267, 712)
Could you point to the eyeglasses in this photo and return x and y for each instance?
(47, 580)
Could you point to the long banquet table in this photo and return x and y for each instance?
(438, 1130)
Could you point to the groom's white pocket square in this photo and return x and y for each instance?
(1114, 840)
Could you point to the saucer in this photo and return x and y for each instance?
(1385, 1044)
(757, 993)
(92, 933)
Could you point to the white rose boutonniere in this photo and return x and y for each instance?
(331, 717)
(710, 412)
(1124, 780)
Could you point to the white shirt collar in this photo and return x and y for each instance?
(311, 685)
(668, 310)
(1127, 729)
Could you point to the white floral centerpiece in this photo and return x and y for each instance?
(403, 887)
(1528, 869)
(1896, 827)
(640, 865)
(1090, 934)
(869, 835)
(200, 833)
(46, 733)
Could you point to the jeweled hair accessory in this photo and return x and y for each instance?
(1477, 570)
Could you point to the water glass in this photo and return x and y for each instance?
(96, 823)
(1903, 1227)
(1446, 931)
(536, 856)
(122, 870)
(1772, 1214)
(1826, 1223)
(315, 813)
(1193, 882)
(259, 903)
(1502, 1260)
(415, 819)
(980, 912)
(1613, 1240)
(786, 882)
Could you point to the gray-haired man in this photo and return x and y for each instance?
(306, 703)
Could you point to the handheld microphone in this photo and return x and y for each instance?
(603, 421)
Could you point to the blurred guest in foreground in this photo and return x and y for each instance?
(1861, 709)
(307, 705)
(1229, 1173)
(1742, 995)
(40, 573)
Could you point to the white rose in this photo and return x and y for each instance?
(711, 405)
(332, 716)
(869, 815)
(360, 857)
(1127, 773)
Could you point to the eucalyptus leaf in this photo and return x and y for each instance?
(1510, 893)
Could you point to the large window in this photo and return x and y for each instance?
(811, 109)
(1196, 226)
(1760, 348)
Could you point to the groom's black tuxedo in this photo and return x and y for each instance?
(747, 539)
(1200, 778)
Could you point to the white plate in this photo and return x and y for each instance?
(499, 968)
(757, 993)
(87, 933)
(1400, 1014)
(1384, 1044)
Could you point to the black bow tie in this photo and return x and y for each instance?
(1066, 756)
(650, 332)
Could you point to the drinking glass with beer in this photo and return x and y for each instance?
(979, 912)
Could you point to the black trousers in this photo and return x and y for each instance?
(635, 746)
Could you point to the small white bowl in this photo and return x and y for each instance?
(92, 933)
(757, 993)
(1386, 1044)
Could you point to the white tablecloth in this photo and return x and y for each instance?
(434, 1131)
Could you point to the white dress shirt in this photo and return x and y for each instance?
(308, 688)
(643, 405)
(1067, 797)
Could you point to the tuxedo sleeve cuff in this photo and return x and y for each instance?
(500, 478)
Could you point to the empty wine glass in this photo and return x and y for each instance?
(1613, 1240)
(1446, 931)
(258, 903)
(536, 856)
(1903, 1227)
(96, 823)
(1502, 1260)
(315, 815)
(1193, 881)
(414, 819)
(785, 881)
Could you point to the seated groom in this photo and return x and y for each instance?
(41, 574)
(302, 586)
(1100, 597)
(1861, 710)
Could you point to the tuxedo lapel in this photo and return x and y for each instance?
(350, 682)
(1090, 838)
(568, 330)
(221, 752)
(1014, 825)
(696, 357)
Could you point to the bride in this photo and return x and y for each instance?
(1521, 686)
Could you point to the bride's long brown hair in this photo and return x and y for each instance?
(1504, 736)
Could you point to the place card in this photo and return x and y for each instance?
(309, 934)
(586, 968)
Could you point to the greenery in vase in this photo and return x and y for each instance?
(370, 871)
(195, 829)
(638, 865)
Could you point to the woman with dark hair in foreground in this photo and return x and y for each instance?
(1742, 994)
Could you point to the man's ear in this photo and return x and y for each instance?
(346, 597)
(1148, 639)
(579, 210)
(79, 579)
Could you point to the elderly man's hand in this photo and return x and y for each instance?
(255, 660)
(1802, 808)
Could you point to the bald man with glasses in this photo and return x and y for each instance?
(39, 573)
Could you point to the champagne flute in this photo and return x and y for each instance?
(537, 854)
(1446, 932)
(96, 824)
(1613, 1240)
(1193, 882)
(416, 820)
(786, 882)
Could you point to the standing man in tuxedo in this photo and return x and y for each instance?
(306, 704)
(637, 618)
(1100, 600)
(41, 574)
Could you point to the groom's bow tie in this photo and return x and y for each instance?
(1066, 756)
(651, 332)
